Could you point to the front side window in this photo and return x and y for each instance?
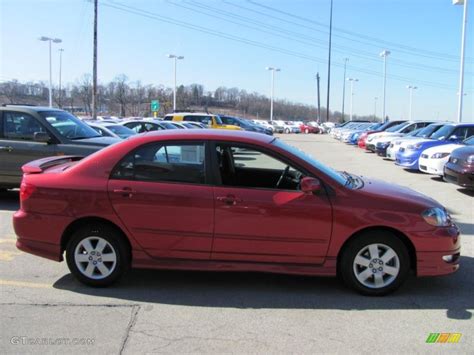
(240, 166)
(159, 162)
(20, 126)
(462, 132)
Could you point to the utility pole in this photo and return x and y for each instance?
(463, 46)
(60, 69)
(344, 88)
(329, 64)
(319, 99)
(375, 107)
(384, 55)
(94, 66)
(272, 90)
(352, 80)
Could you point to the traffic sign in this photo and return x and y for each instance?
(155, 105)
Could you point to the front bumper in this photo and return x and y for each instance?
(431, 166)
(457, 175)
(381, 150)
(392, 153)
(370, 146)
(407, 159)
(434, 247)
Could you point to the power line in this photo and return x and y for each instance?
(295, 36)
(422, 52)
(180, 23)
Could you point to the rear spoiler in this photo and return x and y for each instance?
(40, 165)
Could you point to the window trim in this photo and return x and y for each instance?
(207, 163)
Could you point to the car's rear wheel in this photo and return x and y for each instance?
(97, 255)
(375, 263)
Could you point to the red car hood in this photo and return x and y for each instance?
(396, 195)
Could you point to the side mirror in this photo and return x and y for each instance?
(41, 137)
(310, 185)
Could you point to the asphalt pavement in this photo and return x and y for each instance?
(44, 310)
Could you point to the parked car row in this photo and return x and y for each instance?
(445, 149)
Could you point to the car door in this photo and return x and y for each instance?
(160, 192)
(17, 145)
(256, 221)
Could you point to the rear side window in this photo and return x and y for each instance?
(183, 163)
(463, 132)
(20, 126)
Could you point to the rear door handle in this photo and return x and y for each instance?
(6, 148)
(229, 199)
(126, 191)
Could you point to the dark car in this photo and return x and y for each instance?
(32, 132)
(459, 169)
(245, 124)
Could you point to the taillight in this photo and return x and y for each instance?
(26, 190)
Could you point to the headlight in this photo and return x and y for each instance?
(470, 159)
(439, 155)
(437, 217)
(414, 146)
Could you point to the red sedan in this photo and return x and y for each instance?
(228, 201)
(307, 128)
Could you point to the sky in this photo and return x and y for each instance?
(230, 42)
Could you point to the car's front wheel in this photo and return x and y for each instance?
(97, 255)
(375, 263)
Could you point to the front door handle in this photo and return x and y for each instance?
(126, 191)
(6, 148)
(229, 199)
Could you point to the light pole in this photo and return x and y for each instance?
(375, 107)
(55, 40)
(273, 70)
(461, 69)
(411, 88)
(176, 58)
(344, 88)
(60, 69)
(384, 55)
(352, 80)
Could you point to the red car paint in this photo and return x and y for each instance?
(363, 138)
(304, 128)
(190, 226)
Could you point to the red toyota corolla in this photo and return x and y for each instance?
(228, 201)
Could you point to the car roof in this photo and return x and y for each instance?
(27, 108)
(191, 114)
(209, 134)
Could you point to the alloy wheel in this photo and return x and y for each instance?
(95, 257)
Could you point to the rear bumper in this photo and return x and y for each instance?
(40, 234)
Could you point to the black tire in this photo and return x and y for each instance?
(387, 238)
(114, 238)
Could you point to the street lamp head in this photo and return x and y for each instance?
(171, 56)
(44, 38)
(385, 53)
(57, 40)
(180, 57)
(273, 68)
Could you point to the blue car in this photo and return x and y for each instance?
(410, 151)
(354, 138)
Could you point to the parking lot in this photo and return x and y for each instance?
(188, 312)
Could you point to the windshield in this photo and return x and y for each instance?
(67, 125)
(428, 130)
(340, 178)
(121, 131)
(469, 141)
(397, 127)
(443, 133)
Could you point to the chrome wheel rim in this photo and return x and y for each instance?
(95, 258)
(376, 266)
